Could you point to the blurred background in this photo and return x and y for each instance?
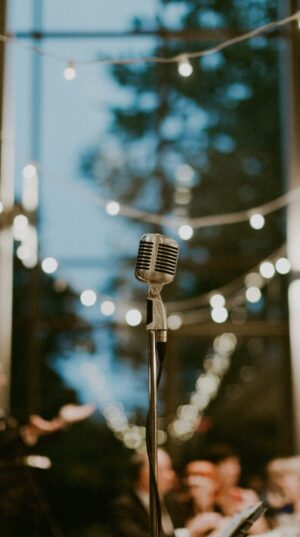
(94, 154)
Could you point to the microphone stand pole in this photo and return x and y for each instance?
(157, 327)
(152, 393)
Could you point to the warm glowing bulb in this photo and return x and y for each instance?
(219, 315)
(29, 171)
(133, 317)
(23, 252)
(185, 68)
(283, 265)
(217, 301)
(254, 279)
(70, 72)
(49, 265)
(20, 221)
(88, 297)
(253, 294)
(174, 322)
(185, 232)
(107, 307)
(257, 221)
(112, 208)
(267, 269)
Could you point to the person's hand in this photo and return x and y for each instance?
(72, 413)
(38, 426)
(202, 523)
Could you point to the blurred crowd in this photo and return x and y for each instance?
(199, 501)
(203, 500)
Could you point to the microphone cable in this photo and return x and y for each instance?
(161, 348)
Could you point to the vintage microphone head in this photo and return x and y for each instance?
(156, 259)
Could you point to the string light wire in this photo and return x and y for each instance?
(175, 222)
(156, 59)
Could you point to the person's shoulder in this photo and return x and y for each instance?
(127, 499)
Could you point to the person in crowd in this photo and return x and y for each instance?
(232, 498)
(131, 510)
(202, 487)
(283, 490)
(23, 508)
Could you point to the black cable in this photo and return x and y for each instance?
(161, 353)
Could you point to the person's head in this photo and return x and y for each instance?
(165, 471)
(284, 475)
(227, 464)
(202, 483)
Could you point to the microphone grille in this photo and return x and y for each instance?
(143, 261)
(166, 260)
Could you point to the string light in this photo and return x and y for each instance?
(29, 171)
(185, 67)
(30, 243)
(217, 301)
(188, 417)
(49, 265)
(176, 222)
(112, 208)
(219, 315)
(23, 252)
(267, 269)
(185, 232)
(70, 71)
(254, 279)
(257, 221)
(174, 322)
(107, 307)
(155, 59)
(283, 265)
(253, 294)
(88, 297)
(133, 317)
(30, 188)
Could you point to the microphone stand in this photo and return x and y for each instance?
(157, 328)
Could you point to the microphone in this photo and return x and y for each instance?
(156, 259)
(156, 265)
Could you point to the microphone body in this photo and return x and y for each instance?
(156, 265)
(157, 259)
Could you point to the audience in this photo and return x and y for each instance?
(232, 498)
(131, 510)
(202, 486)
(283, 491)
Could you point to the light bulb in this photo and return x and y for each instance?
(112, 208)
(267, 269)
(70, 72)
(133, 317)
(49, 265)
(88, 297)
(185, 68)
(185, 232)
(257, 221)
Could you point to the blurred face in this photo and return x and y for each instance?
(289, 484)
(166, 474)
(202, 491)
(229, 471)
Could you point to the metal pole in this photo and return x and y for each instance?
(6, 236)
(152, 376)
(34, 363)
(291, 128)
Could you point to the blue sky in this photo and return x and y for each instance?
(74, 117)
